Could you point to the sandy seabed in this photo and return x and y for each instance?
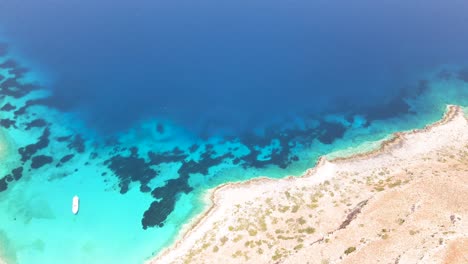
(405, 202)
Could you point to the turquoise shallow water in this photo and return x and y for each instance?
(140, 186)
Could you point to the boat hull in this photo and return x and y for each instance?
(75, 204)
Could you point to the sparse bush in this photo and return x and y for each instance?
(277, 255)
(223, 240)
(237, 238)
(301, 221)
(308, 230)
(295, 208)
(350, 250)
(215, 249)
(298, 246)
(252, 232)
(379, 188)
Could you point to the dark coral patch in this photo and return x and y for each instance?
(3, 49)
(423, 86)
(7, 123)
(133, 151)
(40, 160)
(17, 173)
(21, 111)
(18, 72)
(393, 108)
(78, 144)
(175, 155)
(30, 150)
(8, 107)
(208, 160)
(279, 156)
(64, 138)
(36, 123)
(11, 87)
(29, 103)
(65, 159)
(167, 195)
(193, 148)
(112, 141)
(145, 188)
(9, 64)
(3, 184)
(160, 128)
(158, 211)
(131, 169)
(398, 105)
(330, 131)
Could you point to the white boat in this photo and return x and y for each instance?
(75, 204)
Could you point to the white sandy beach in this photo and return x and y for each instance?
(402, 203)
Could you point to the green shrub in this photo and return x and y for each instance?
(350, 250)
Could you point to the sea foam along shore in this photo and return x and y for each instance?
(228, 196)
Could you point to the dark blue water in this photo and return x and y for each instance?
(230, 65)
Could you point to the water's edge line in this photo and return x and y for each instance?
(211, 195)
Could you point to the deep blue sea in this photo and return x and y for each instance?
(141, 106)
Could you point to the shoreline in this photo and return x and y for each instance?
(212, 196)
(397, 138)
